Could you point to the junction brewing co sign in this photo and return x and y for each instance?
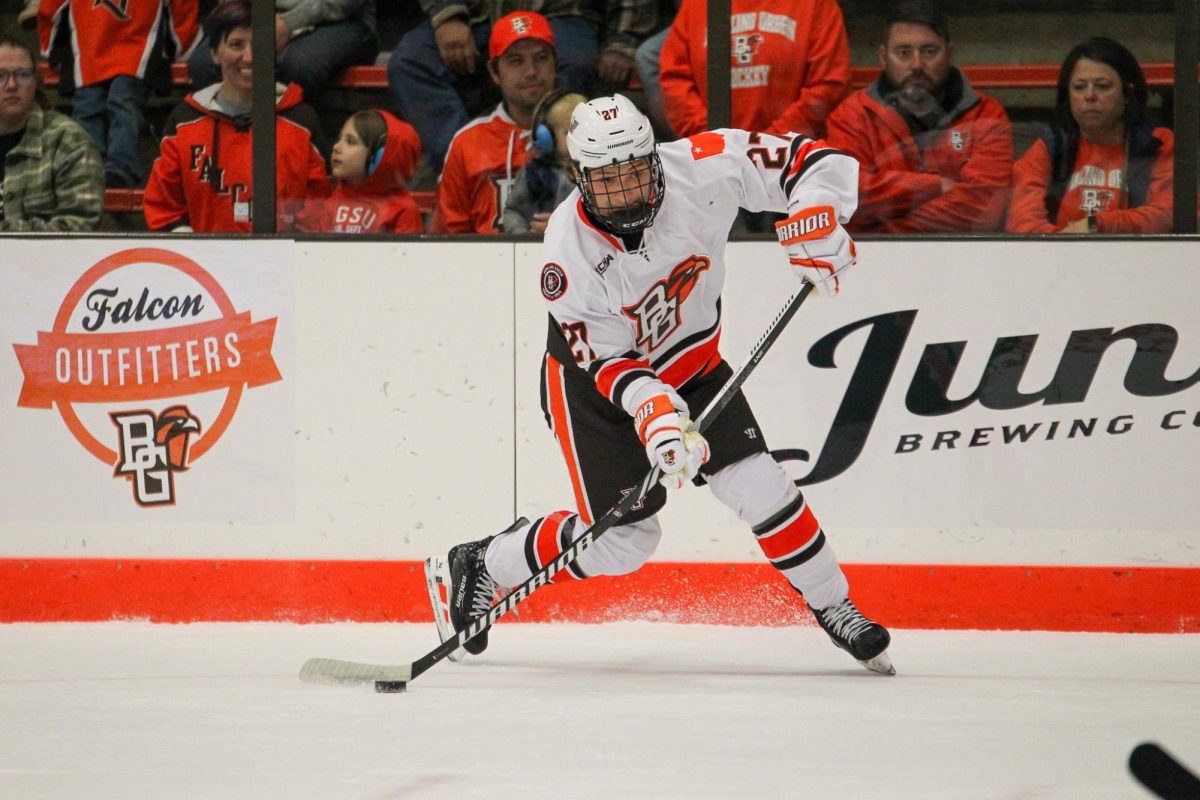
(143, 333)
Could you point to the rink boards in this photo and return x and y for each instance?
(993, 434)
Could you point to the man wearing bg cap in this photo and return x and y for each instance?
(436, 69)
(485, 155)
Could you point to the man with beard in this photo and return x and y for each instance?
(936, 155)
(486, 155)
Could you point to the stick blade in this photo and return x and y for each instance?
(1159, 772)
(346, 673)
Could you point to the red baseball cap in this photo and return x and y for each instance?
(512, 28)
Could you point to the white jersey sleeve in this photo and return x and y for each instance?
(782, 173)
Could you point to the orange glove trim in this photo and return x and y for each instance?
(652, 409)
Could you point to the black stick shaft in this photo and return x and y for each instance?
(615, 514)
(1162, 774)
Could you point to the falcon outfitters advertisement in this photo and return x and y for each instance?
(153, 380)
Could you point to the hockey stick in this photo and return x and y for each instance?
(1159, 772)
(395, 678)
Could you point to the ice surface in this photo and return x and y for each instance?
(627, 710)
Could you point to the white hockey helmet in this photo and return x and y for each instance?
(609, 131)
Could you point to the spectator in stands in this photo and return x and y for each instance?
(486, 155)
(202, 179)
(315, 40)
(1104, 168)
(373, 160)
(545, 180)
(51, 177)
(440, 58)
(790, 62)
(114, 48)
(936, 155)
(647, 62)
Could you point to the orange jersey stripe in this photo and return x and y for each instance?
(611, 372)
(700, 360)
(614, 241)
(557, 399)
(802, 153)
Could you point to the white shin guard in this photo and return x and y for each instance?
(756, 489)
(622, 549)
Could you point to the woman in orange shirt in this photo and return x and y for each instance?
(1104, 168)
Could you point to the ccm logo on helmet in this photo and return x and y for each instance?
(811, 223)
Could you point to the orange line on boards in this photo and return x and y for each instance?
(985, 597)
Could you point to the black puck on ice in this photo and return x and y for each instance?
(389, 687)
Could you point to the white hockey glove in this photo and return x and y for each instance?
(671, 441)
(818, 247)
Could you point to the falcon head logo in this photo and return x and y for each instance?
(173, 431)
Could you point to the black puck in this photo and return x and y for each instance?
(389, 687)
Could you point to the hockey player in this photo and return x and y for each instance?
(633, 350)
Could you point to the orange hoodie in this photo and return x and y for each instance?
(790, 65)
(381, 203)
(203, 176)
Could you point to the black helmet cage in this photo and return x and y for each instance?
(630, 212)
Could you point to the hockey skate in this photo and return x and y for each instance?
(460, 589)
(867, 641)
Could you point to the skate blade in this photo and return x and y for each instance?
(437, 581)
(881, 663)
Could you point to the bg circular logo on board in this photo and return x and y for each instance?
(146, 361)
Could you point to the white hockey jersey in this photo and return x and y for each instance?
(629, 317)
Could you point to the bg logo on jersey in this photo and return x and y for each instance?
(141, 341)
(657, 314)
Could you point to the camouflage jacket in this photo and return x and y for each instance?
(53, 179)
